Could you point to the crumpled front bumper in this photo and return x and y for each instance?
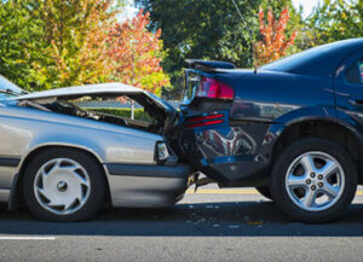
(146, 186)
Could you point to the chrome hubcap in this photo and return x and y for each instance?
(62, 186)
(315, 181)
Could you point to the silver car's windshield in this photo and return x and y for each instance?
(9, 89)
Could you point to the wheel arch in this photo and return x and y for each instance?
(335, 130)
(16, 196)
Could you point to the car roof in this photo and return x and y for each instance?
(320, 61)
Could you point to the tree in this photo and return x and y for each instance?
(136, 54)
(208, 29)
(18, 50)
(274, 43)
(296, 23)
(75, 33)
(49, 44)
(335, 20)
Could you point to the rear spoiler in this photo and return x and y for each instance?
(208, 65)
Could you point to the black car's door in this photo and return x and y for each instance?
(349, 87)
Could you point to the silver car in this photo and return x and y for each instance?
(65, 159)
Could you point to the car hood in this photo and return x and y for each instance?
(153, 105)
(108, 88)
(82, 90)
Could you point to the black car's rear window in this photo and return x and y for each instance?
(294, 61)
(320, 61)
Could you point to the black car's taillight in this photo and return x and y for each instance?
(208, 120)
(212, 88)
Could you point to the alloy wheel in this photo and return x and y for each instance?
(315, 181)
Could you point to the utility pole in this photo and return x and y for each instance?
(248, 30)
(132, 80)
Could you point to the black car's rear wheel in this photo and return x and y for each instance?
(63, 185)
(313, 180)
(265, 191)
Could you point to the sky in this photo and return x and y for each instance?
(307, 5)
(128, 12)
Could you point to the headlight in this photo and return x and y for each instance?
(164, 154)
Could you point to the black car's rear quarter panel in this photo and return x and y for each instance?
(239, 151)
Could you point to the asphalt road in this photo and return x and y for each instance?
(213, 225)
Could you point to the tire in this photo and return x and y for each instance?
(64, 185)
(299, 189)
(265, 191)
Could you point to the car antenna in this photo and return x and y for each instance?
(249, 31)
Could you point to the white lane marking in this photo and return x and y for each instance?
(26, 238)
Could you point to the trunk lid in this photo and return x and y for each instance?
(210, 80)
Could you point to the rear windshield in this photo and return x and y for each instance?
(294, 61)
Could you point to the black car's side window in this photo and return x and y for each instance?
(355, 72)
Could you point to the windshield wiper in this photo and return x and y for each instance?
(12, 92)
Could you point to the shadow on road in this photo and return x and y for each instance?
(207, 219)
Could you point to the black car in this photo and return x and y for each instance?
(293, 128)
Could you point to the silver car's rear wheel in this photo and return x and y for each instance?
(62, 186)
(315, 181)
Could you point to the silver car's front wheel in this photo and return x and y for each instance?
(62, 184)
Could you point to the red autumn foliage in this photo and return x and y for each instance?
(275, 42)
(136, 54)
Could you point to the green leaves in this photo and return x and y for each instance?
(50, 44)
(56, 43)
(207, 29)
(17, 46)
(336, 20)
